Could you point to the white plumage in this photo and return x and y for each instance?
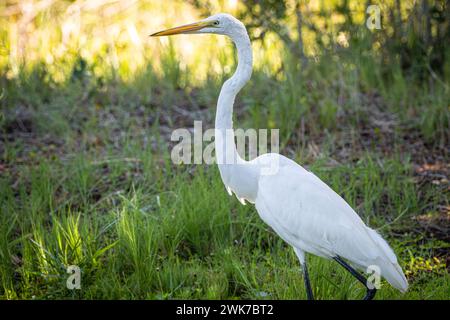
(301, 209)
(313, 218)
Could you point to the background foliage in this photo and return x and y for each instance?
(88, 102)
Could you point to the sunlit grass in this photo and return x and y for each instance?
(86, 111)
(189, 241)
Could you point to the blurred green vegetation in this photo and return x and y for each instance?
(88, 102)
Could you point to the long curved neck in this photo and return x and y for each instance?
(226, 148)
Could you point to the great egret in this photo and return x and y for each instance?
(300, 208)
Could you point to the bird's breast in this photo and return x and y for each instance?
(241, 180)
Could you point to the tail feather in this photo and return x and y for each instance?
(389, 267)
(393, 273)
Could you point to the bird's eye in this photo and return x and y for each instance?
(216, 23)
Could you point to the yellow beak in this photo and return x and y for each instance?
(184, 29)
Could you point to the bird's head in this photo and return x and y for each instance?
(221, 23)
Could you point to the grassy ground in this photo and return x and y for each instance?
(86, 179)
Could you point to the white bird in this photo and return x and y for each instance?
(303, 210)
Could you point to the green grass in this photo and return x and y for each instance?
(86, 179)
(189, 241)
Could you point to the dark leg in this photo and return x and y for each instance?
(309, 292)
(370, 292)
